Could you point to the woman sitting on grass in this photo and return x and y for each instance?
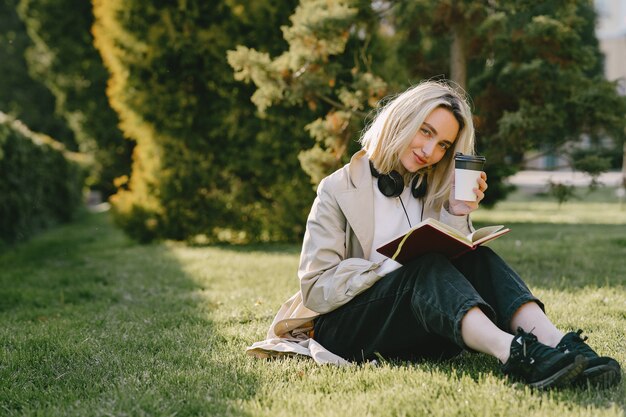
(359, 304)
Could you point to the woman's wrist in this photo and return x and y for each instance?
(446, 206)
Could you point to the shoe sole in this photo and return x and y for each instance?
(601, 376)
(564, 377)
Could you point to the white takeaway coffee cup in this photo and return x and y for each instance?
(467, 169)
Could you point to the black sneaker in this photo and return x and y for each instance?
(541, 366)
(601, 371)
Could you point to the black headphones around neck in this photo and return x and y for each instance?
(392, 184)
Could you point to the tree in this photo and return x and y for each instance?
(64, 58)
(21, 96)
(335, 52)
(544, 85)
(535, 72)
(203, 164)
(439, 38)
(41, 182)
(533, 69)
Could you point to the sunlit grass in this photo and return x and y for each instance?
(600, 206)
(94, 324)
(550, 212)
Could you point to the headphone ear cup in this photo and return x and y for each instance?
(419, 190)
(391, 185)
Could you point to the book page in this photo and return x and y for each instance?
(483, 232)
(449, 230)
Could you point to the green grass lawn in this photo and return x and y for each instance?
(93, 324)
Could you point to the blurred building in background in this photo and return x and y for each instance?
(611, 32)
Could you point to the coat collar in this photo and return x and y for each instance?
(357, 201)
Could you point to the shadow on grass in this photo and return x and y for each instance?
(94, 324)
(480, 367)
(282, 248)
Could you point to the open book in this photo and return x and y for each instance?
(432, 236)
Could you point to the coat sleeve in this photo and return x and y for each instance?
(461, 223)
(328, 279)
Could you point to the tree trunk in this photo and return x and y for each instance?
(458, 56)
(624, 167)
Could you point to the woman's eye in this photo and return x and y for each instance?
(444, 146)
(426, 132)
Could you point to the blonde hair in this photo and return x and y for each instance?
(397, 122)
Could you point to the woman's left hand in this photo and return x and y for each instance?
(460, 207)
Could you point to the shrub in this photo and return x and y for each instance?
(40, 181)
(21, 96)
(204, 164)
(62, 56)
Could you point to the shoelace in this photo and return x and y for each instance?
(578, 343)
(527, 339)
(578, 338)
(532, 349)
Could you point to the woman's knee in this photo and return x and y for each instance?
(482, 255)
(485, 252)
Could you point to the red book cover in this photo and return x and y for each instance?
(432, 236)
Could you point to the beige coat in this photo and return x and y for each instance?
(334, 265)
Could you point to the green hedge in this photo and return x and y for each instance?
(41, 182)
(73, 71)
(21, 95)
(205, 167)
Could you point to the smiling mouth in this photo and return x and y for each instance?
(420, 160)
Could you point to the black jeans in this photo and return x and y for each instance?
(416, 311)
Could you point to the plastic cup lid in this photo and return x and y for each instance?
(469, 158)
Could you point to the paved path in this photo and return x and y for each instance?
(540, 178)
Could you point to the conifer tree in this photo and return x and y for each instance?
(204, 165)
(64, 59)
(21, 96)
(335, 53)
(542, 85)
(533, 69)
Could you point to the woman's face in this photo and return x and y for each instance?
(434, 137)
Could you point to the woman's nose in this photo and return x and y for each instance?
(428, 147)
